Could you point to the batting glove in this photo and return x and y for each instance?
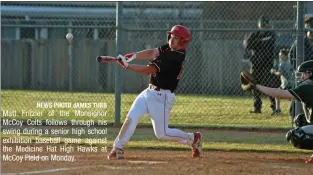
(130, 57)
(122, 61)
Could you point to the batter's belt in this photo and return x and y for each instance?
(153, 87)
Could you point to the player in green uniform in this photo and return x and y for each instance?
(302, 136)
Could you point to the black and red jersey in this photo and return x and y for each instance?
(170, 64)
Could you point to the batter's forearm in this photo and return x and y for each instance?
(274, 92)
(143, 69)
(147, 54)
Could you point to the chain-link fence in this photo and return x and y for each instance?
(37, 59)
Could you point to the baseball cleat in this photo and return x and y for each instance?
(310, 160)
(197, 145)
(116, 153)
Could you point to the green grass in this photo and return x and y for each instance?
(213, 140)
(189, 110)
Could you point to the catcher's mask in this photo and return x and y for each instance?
(306, 66)
(263, 22)
(182, 32)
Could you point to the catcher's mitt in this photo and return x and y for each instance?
(247, 81)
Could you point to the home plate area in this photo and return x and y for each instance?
(150, 162)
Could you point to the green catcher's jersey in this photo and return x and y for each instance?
(304, 93)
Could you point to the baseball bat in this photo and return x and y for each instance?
(106, 59)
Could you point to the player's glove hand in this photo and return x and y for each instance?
(247, 81)
(130, 57)
(122, 61)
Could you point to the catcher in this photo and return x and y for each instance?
(302, 136)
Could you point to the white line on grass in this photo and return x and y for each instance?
(74, 168)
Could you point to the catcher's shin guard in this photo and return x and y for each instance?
(301, 138)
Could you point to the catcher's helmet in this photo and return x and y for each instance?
(306, 66)
(182, 32)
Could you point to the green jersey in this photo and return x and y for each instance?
(304, 93)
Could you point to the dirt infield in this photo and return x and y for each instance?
(166, 162)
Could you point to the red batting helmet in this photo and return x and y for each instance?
(182, 32)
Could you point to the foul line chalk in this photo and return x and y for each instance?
(74, 168)
(44, 171)
(121, 167)
(278, 165)
(146, 162)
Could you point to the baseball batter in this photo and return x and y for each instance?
(158, 99)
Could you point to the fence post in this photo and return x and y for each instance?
(117, 67)
(70, 60)
(300, 47)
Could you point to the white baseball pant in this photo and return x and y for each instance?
(158, 104)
